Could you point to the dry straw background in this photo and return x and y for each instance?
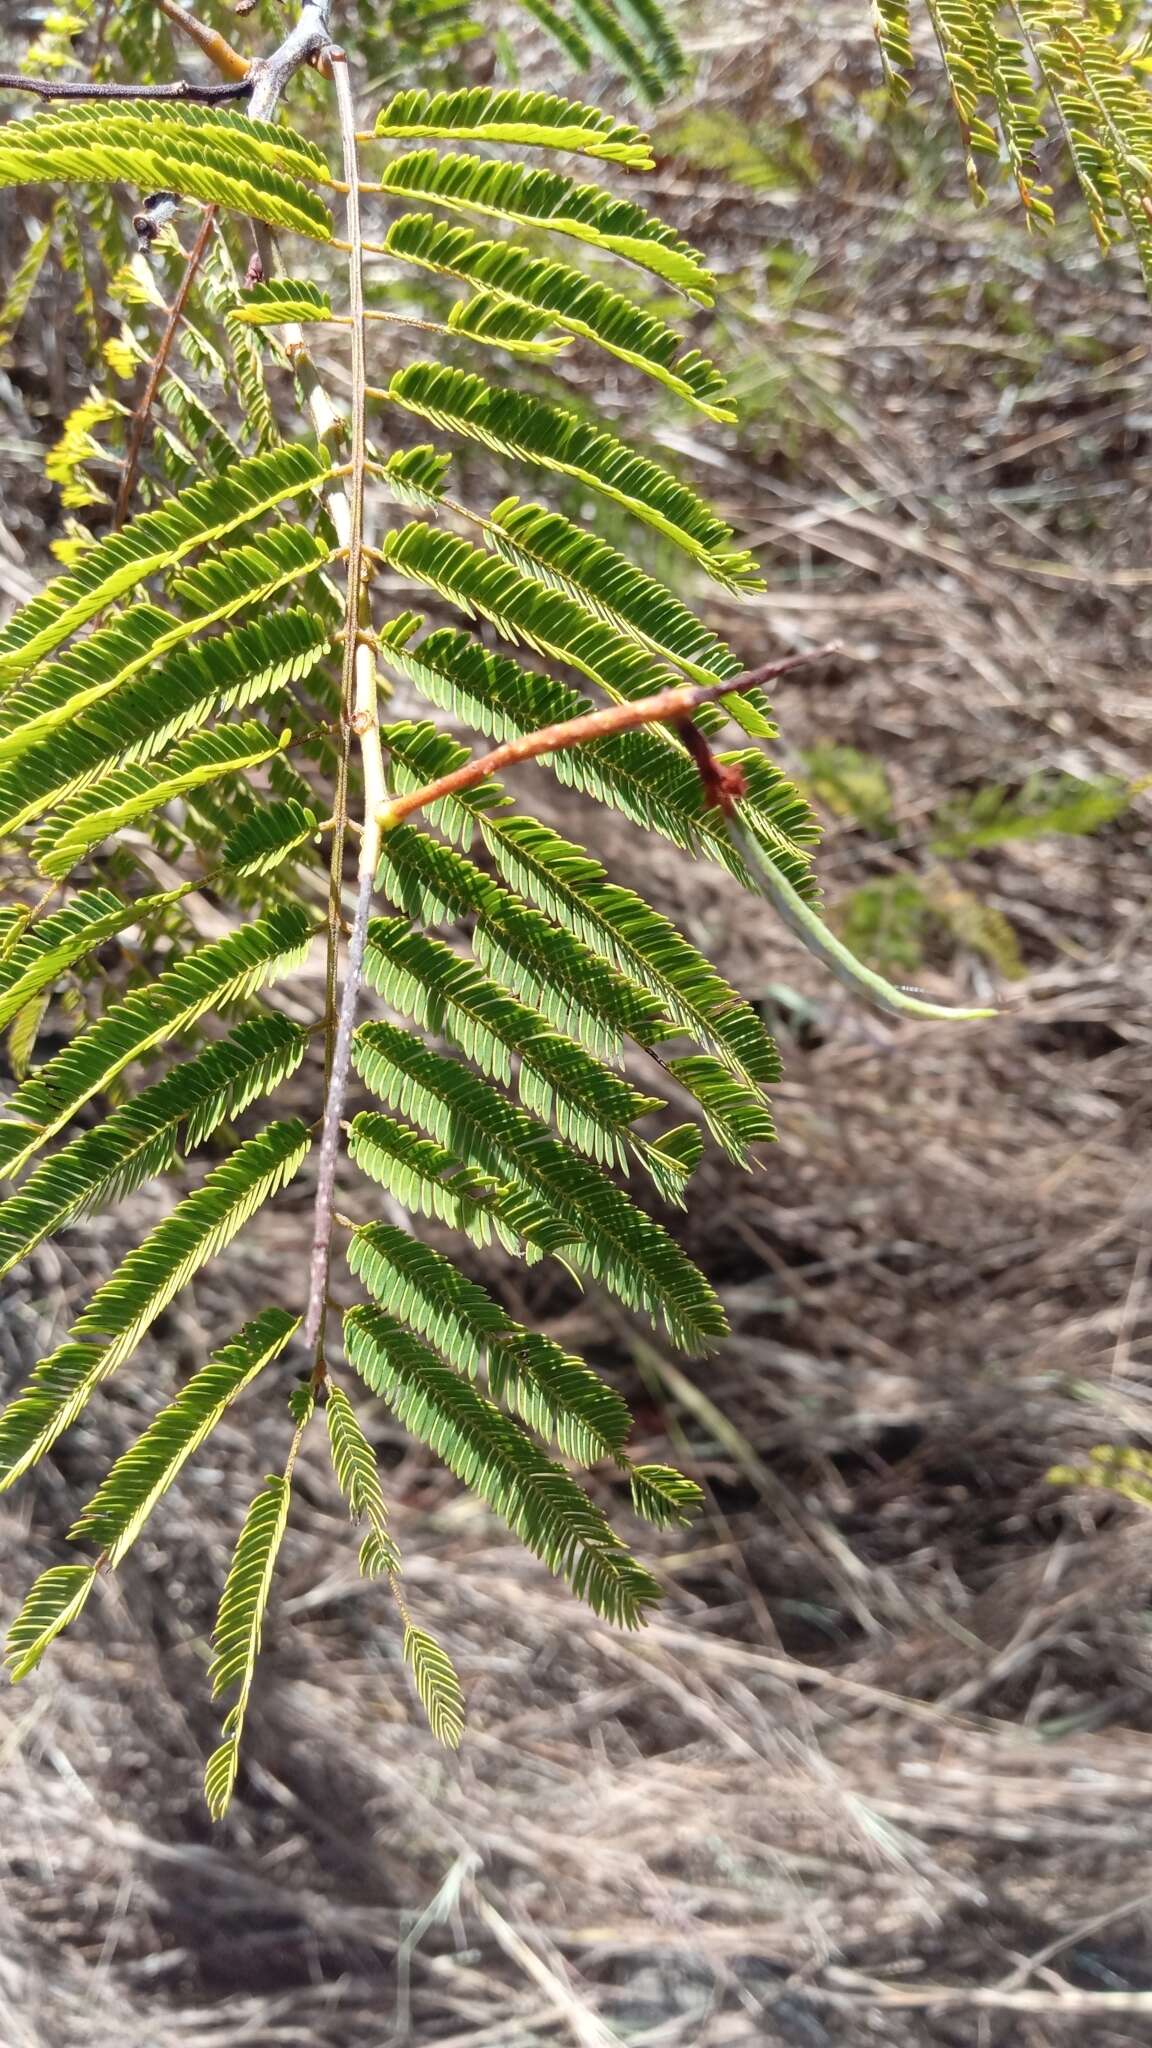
(882, 1772)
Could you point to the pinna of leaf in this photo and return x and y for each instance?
(511, 1132)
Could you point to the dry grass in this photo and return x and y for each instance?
(883, 1771)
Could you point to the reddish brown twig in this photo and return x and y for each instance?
(143, 411)
(668, 707)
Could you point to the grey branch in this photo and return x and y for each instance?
(270, 75)
(79, 89)
(264, 86)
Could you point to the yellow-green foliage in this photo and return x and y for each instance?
(179, 782)
(1111, 1469)
(169, 715)
(1038, 74)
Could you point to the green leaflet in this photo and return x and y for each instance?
(553, 549)
(424, 979)
(416, 476)
(55, 1600)
(515, 424)
(207, 154)
(23, 1034)
(664, 1497)
(499, 323)
(236, 1635)
(145, 1135)
(232, 967)
(534, 120)
(552, 969)
(1021, 125)
(604, 29)
(553, 1391)
(737, 1115)
(428, 1179)
(892, 22)
(249, 361)
(25, 279)
(653, 30)
(538, 198)
(268, 837)
(537, 1498)
(568, 297)
(249, 572)
(194, 437)
(117, 1512)
(614, 1241)
(239, 1627)
(142, 717)
(563, 32)
(153, 543)
(282, 298)
(437, 1686)
(247, 142)
(123, 1309)
(117, 800)
(40, 956)
(354, 1464)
